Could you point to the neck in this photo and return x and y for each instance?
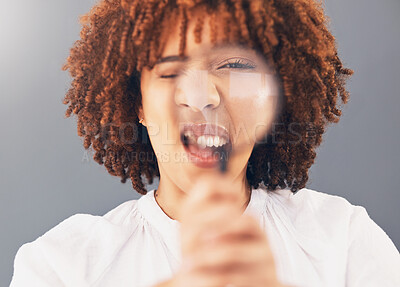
(170, 197)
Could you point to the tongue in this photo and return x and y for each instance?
(202, 152)
(208, 153)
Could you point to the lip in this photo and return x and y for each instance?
(206, 129)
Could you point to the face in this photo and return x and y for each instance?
(218, 99)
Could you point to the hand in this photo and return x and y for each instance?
(220, 245)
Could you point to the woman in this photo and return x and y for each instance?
(255, 225)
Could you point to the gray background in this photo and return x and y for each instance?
(44, 177)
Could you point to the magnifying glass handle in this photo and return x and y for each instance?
(223, 161)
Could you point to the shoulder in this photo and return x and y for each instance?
(123, 213)
(329, 226)
(319, 200)
(315, 203)
(314, 213)
(331, 208)
(81, 239)
(337, 215)
(327, 206)
(81, 226)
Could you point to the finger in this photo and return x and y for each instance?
(222, 224)
(211, 189)
(245, 227)
(253, 277)
(201, 278)
(234, 256)
(201, 209)
(252, 265)
(199, 212)
(207, 223)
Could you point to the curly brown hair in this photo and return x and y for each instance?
(120, 37)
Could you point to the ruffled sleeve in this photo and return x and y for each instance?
(373, 259)
(32, 269)
(38, 263)
(76, 252)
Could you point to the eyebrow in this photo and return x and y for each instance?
(217, 47)
(174, 58)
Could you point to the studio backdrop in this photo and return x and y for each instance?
(46, 175)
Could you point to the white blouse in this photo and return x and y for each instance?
(316, 239)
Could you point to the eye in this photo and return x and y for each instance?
(168, 76)
(168, 72)
(237, 64)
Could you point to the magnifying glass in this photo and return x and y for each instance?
(226, 99)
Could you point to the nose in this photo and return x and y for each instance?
(197, 91)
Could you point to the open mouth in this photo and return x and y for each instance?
(206, 143)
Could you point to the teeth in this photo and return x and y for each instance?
(201, 141)
(210, 141)
(216, 141)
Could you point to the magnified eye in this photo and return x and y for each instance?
(237, 64)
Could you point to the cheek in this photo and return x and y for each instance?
(250, 100)
(157, 98)
(248, 127)
(161, 117)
